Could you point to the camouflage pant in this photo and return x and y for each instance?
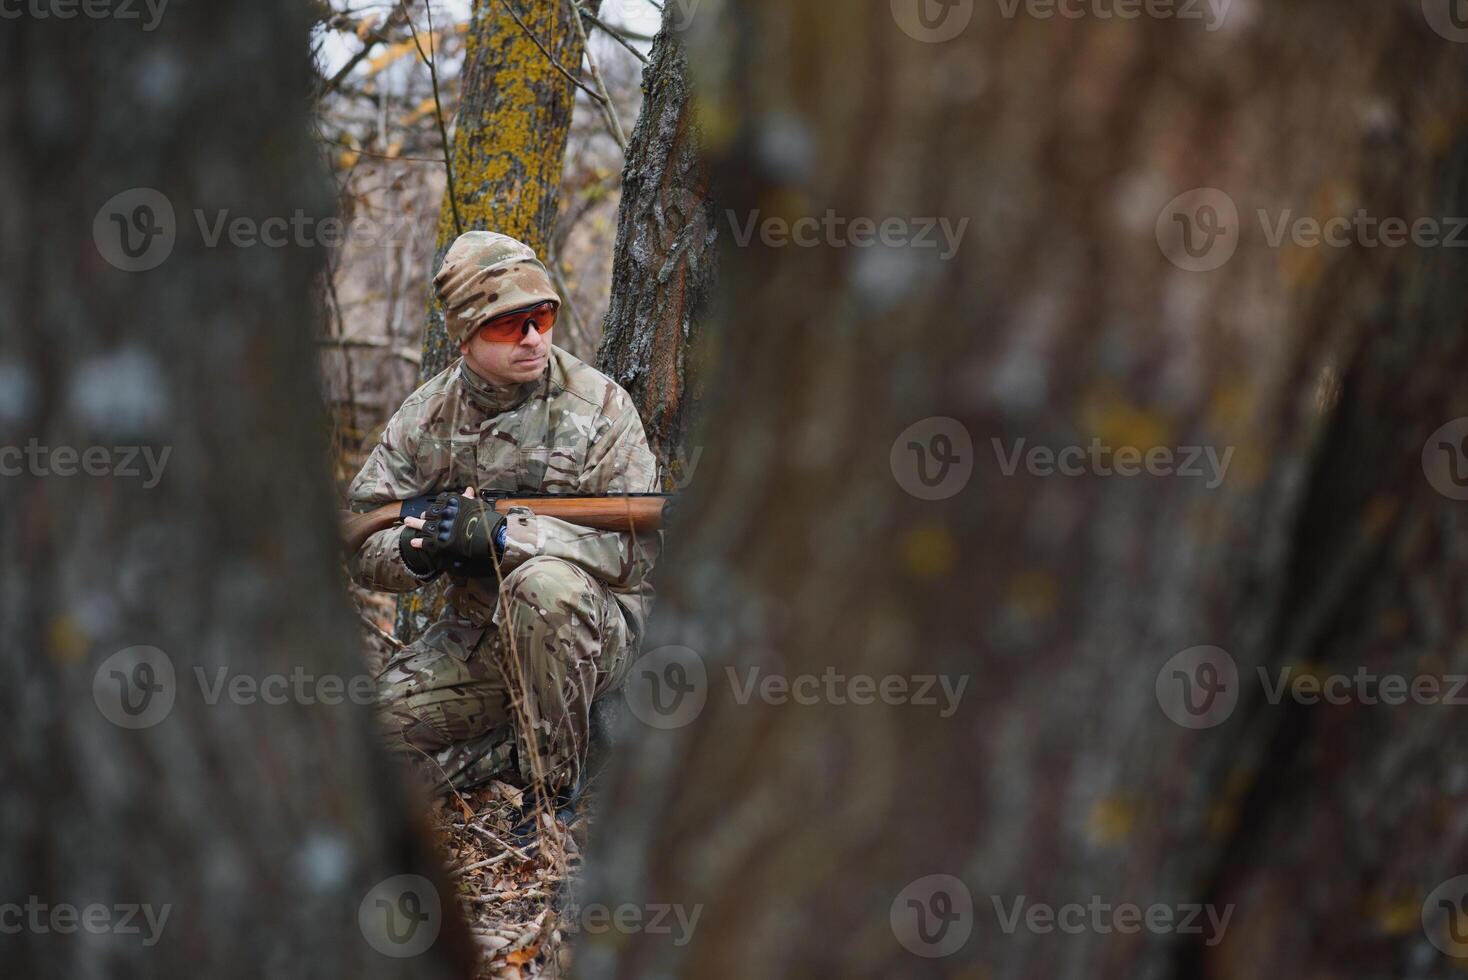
(557, 642)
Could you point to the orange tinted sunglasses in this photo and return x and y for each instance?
(508, 328)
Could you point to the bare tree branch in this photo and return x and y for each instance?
(443, 131)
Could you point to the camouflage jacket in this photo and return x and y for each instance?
(572, 431)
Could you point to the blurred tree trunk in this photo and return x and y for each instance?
(1064, 314)
(663, 268)
(509, 150)
(252, 831)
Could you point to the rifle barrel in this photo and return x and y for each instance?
(627, 513)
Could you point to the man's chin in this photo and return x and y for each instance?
(528, 372)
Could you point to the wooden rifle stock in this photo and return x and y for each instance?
(635, 513)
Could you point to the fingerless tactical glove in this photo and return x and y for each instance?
(419, 561)
(460, 534)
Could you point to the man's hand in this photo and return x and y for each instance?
(461, 534)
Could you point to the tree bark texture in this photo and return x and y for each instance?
(663, 270)
(176, 803)
(1069, 314)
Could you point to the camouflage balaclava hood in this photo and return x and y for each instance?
(485, 274)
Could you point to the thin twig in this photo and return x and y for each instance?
(392, 641)
(494, 838)
(553, 263)
(443, 132)
(612, 32)
(606, 99)
(489, 863)
(333, 263)
(369, 43)
(378, 156)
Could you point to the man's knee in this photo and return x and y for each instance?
(435, 719)
(437, 691)
(552, 590)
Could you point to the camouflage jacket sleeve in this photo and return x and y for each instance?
(389, 474)
(618, 460)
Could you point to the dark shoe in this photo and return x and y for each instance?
(567, 808)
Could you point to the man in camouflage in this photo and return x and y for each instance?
(505, 681)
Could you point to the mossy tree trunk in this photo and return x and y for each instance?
(509, 135)
(1066, 314)
(176, 803)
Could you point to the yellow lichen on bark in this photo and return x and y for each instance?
(509, 143)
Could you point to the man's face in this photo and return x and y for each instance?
(508, 362)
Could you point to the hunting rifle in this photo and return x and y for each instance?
(634, 512)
